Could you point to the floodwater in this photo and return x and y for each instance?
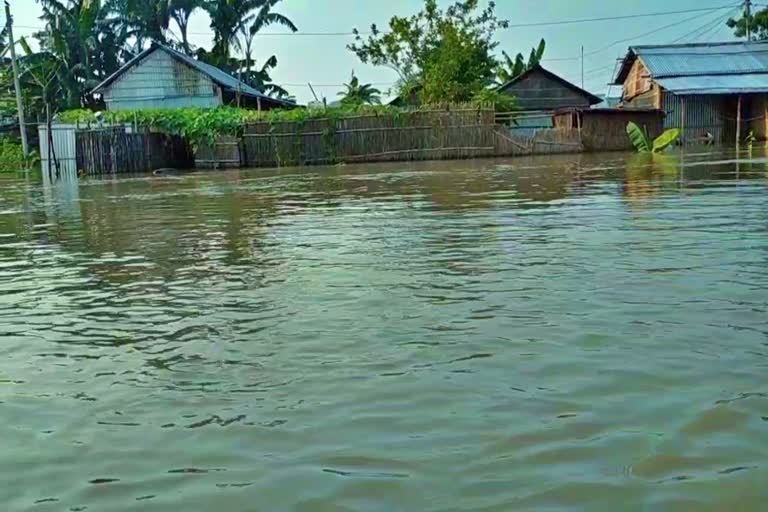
(545, 334)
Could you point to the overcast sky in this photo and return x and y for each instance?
(326, 63)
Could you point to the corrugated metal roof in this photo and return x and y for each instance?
(704, 59)
(223, 79)
(716, 84)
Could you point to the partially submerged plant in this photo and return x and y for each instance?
(644, 145)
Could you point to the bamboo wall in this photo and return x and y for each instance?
(420, 135)
(115, 150)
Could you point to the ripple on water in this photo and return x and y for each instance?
(573, 332)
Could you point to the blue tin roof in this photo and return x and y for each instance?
(716, 84)
(703, 68)
(221, 78)
(689, 60)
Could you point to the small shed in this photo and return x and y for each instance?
(161, 77)
(605, 129)
(541, 90)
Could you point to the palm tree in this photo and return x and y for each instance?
(261, 80)
(226, 21)
(144, 20)
(233, 18)
(356, 94)
(80, 36)
(181, 11)
(253, 26)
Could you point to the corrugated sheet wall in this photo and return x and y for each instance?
(703, 114)
(63, 146)
(161, 82)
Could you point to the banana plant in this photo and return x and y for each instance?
(644, 145)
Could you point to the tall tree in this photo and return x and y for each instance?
(260, 79)
(356, 94)
(227, 19)
(449, 52)
(758, 24)
(181, 11)
(80, 36)
(143, 20)
(255, 23)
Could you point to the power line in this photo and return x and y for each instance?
(708, 25)
(516, 25)
(644, 34)
(613, 18)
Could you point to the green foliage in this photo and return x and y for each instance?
(666, 139)
(758, 24)
(511, 69)
(449, 53)
(204, 125)
(356, 94)
(12, 156)
(638, 138)
(644, 145)
(501, 102)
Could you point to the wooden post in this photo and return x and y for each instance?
(738, 121)
(16, 82)
(682, 118)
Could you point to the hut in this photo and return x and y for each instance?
(605, 129)
(540, 93)
(161, 77)
(712, 91)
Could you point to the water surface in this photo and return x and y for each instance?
(544, 334)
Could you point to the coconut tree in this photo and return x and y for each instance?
(230, 19)
(181, 11)
(356, 94)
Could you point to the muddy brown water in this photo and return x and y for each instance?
(545, 334)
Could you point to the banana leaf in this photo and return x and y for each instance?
(666, 139)
(638, 138)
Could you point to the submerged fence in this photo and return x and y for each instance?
(118, 150)
(450, 133)
(418, 135)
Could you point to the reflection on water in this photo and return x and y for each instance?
(582, 332)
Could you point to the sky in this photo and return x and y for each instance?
(325, 62)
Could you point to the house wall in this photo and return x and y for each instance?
(537, 91)
(608, 131)
(699, 115)
(160, 81)
(758, 115)
(638, 81)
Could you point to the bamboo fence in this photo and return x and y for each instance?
(418, 135)
(115, 150)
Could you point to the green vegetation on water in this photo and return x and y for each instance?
(644, 145)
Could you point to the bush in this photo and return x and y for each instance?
(11, 156)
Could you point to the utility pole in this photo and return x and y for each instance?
(582, 66)
(747, 17)
(16, 82)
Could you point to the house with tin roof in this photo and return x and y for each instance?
(161, 77)
(712, 91)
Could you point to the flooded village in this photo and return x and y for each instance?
(263, 255)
